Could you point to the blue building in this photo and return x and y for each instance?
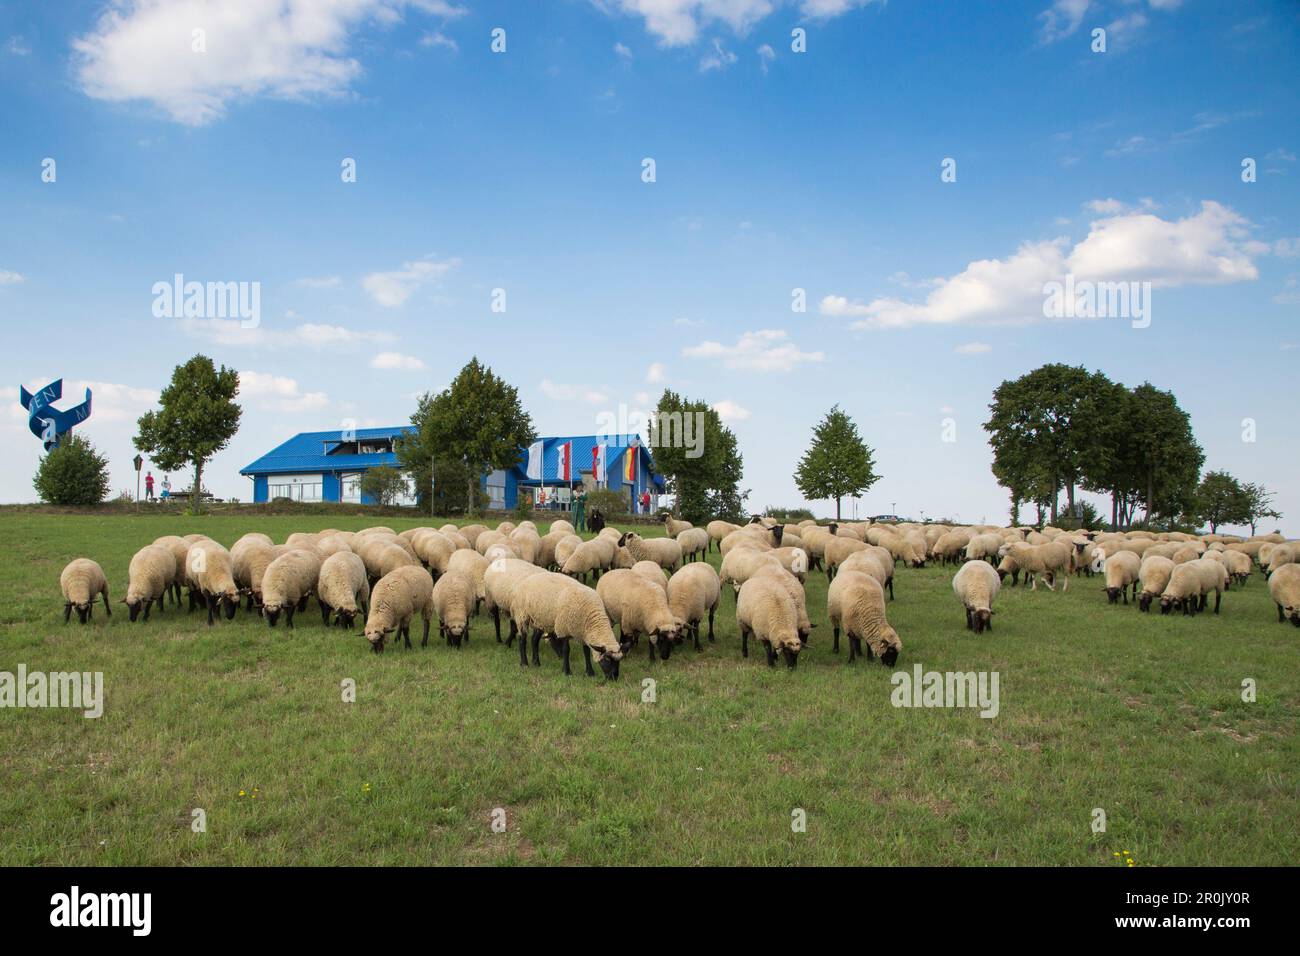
(327, 466)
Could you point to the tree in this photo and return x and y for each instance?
(704, 475)
(837, 464)
(72, 474)
(1258, 505)
(476, 422)
(1220, 499)
(1167, 458)
(197, 418)
(384, 484)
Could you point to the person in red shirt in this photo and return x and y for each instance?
(645, 502)
(148, 486)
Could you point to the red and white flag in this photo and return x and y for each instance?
(564, 462)
(599, 462)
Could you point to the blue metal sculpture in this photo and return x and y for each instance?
(45, 421)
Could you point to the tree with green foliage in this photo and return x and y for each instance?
(1258, 505)
(74, 473)
(472, 427)
(1220, 499)
(196, 419)
(1168, 459)
(384, 484)
(838, 463)
(703, 474)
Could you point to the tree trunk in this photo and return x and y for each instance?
(1069, 497)
(469, 495)
(837, 509)
(196, 493)
(1056, 493)
(1114, 510)
(1151, 492)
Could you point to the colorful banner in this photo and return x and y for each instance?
(599, 462)
(629, 464)
(564, 462)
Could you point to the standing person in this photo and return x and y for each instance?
(579, 511)
(166, 488)
(148, 486)
(645, 502)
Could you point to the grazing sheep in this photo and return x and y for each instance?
(794, 560)
(837, 550)
(983, 547)
(527, 543)
(639, 607)
(1121, 570)
(246, 553)
(547, 545)
(673, 527)
(473, 564)
(209, 568)
(81, 582)
(1281, 555)
(694, 542)
(803, 624)
(560, 524)
(381, 557)
(564, 549)
(856, 603)
(178, 547)
(589, 557)
(1284, 589)
(499, 583)
(665, 552)
(652, 573)
(488, 538)
(257, 561)
(471, 532)
(152, 571)
(1051, 560)
(454, 600)
(949, 547)
(1190, 584)
(741, 564)
(976, 584)
(718, 530)
(562, 609)
(1153, 577)
(693, 591)
(289, 581)
(764, 609)
(754, 540)
(396, 599)
(865, 562)
(1239, 566)
(342, 588)
(434, 549)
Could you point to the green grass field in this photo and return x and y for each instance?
(1101, 706)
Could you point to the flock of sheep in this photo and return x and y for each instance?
(662, 588)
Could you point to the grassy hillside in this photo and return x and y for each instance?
(1101, 706)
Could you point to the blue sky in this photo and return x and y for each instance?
(774, 171)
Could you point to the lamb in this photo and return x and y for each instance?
(1153, 577)
(639, 607)
(473, 564)
(718, 530)
(665, 552)
(152, 571)
(288, 583)
(983, 547)
(210, 570)
(694, 542)
(673, 527)
(563, 609)
(1284, 589)
(82, 581)
(976, 584)
(499, 583)
(764, 609)
(454, 600)
(343, 588)
(396, 599)
(1122, 570)
(693, 591)
(740, 565)
(856, 603)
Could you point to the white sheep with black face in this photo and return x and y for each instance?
(394, 602)
(1284, 589)
(765, 610)
(561, 609)
(454, 601)
(639, 607)
(976, 585)
(82, 582)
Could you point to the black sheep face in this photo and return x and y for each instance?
(1112, 594)
(344, 618)
(1166, 605)
(623, 539)
(889, 655)
(980, 621)
(83, 611)
(455, 634)
(377, 640)
(133, 609)
(230, 603)
(777, 533)
(609, 666)
(790, 656)
(1144, 602)
(272, 613)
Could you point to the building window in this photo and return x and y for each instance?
(351, 488)
(295, 487)
(496, 490)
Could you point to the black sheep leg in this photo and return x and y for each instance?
(496, 622)
(567, 672)
(586, 657)
(711, 610)
(537, 643)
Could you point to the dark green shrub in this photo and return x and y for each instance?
(72, 474)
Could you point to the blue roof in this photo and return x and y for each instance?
(309, 452)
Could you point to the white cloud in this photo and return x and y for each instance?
(17, 46)
(1104, 207)
(730, 411)
(397, 361)
(304, 334)
(438, 38)
(766, 350)
(1209, 248)
(622, 51)
(143, 50)
(9, 278)
(656, 373)
(1283, 248)
(392, 289)
(717, 59)
(765, 56)
(973, 348)
(109, 401)
(278, 393)
(1062, 18)
(574, 393)
(678, 22)
(320, 282)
